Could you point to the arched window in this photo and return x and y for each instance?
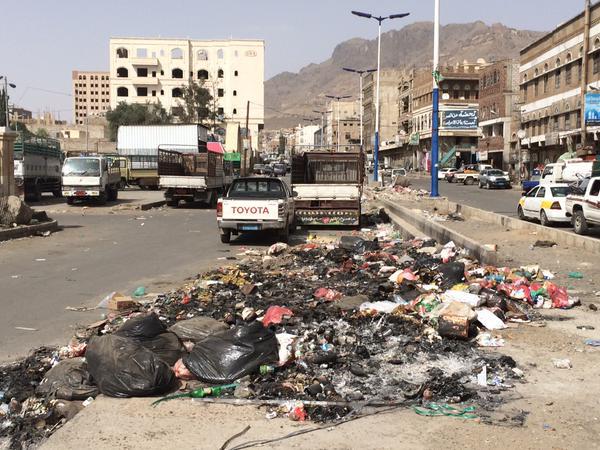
(220, 53)
(122, 53)
(202, 55)
(596, 43)
(122, 92)
(557, 63)
(569, 57)
(545, 67)
(176, 93)
(177, 73)
(235, 73)
(525, 78)
(203, 74)
(581, 51)
(176, 53)
(537, 72)
(234, 93)
(220, 73)
(122, 72)
(234, 111)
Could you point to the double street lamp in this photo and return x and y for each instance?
(360, 106)
(6, 85)
(338, 98)
(379, 20)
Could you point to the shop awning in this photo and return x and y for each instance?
(215, 147)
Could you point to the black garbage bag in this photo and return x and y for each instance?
(68, 380)
(232, 354)
(122, 367)
(452, 273)
(197, 328)
(149, 331)
(358, 245)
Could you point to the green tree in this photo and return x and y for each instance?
(42, 133)
(136, 114)
(198, 104)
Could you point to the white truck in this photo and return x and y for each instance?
(90, 178)
(584, 209)
(568, 171)
(255, 204)
(37, 167)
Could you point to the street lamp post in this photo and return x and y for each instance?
(379, 20)
(6, 85)
(360, 109)
(338, 98)
(436, 102)
(322, 122)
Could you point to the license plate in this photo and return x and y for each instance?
(80, 193)
(249, 227)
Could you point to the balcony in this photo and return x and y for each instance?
(491, 143)
(144, 61)
(145, 81)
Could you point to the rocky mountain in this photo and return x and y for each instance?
(291, 96)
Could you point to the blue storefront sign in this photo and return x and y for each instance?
(592, 108)
(460, 119)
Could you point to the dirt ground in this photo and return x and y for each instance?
(562, 406)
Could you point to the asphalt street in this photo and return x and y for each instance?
(99, 251)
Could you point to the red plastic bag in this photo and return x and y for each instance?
(559, 296)
(329, 295)
(275, 314)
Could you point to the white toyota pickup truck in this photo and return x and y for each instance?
(584, 210)
(256, 204)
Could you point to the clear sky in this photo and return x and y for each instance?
(41, 41)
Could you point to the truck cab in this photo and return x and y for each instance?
(584, 210)
(90, 177)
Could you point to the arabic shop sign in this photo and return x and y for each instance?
(460, 119)
(592, 108)
(414, 138)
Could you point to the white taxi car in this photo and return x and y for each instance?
(546, 203)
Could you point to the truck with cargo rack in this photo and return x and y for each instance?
(37, 167)
(139, 144)
(328, 188)
(196, 175)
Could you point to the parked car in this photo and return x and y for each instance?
(533, 181)
(256, 204)
(445, 171)
(584, 210)
(258, 169)
(494, 178)
(546, 203)
(279, 169)
(398, 173)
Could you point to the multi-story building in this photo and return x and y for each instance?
(305, 137)
(91, 95)
(155, 70)
(459, 104)
(556, 73)
(346, 114)
(388, 107)
(498, 113)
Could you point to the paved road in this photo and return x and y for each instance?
(98, 251)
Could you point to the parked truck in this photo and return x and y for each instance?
(90, 178)
(139, 145)
(37, 163)
(584, 209)
(195, 174)
(568, 171)
(328, 188)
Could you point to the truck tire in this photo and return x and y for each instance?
(116, 193)
(225, 237)
(57, 193)
(580, 225)
(469, 181)
(173, 203)
(102, 198)
(70, 200)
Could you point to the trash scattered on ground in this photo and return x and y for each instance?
(544, 244)
(592, 342)
(585, 327)
(312, 332)
(562, 363)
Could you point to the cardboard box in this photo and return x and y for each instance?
(120, 302)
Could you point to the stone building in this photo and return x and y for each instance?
(91, 95)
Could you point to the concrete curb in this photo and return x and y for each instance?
(28, 230)
(440, 233)
(147, 206)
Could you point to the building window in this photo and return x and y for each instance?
(555, 124)
(121, 53)
(524, 92)
(221, 92)
(154, 74)
(142, 72)
(557, 79)
(153, 93)
(220, 73)
(234, 111)
(536, 88)
(596, 63)
(579, 71)
(545, 83)
(142, 92)
(567, 121)
(220, 111)
(141, 53)
(176, 53)
(235, 73)
(177, 73)
(234, 93)
(176, 93)
(122, 92)
(162, 92)
(202, 55)
(557, 62)
(568, 75)
(220, 53)
(203, 74)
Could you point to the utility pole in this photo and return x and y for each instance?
(584, 70)
(245, 171)
(436, 102)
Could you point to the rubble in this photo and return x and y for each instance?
(323, 329)
(14, 211)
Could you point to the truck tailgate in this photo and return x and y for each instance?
(327, 191)
(234, 209)
(174, 181)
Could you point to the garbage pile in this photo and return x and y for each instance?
(314, 332)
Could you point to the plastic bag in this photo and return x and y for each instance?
(121, 367)
(452, 273)
(149, 331)
(227, 356)
(68, 380)
(358, 245)
(275, 314)
(197, 328)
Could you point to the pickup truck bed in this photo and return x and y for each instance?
(584, 210)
